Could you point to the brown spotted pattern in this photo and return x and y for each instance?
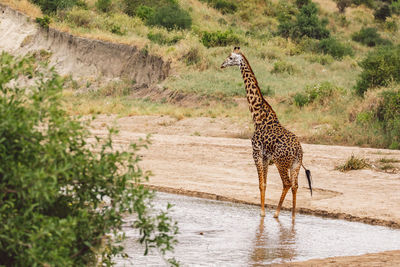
(270, 139)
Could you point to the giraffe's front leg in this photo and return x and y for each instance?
(258, 160)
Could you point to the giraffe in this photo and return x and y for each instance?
(270, 141)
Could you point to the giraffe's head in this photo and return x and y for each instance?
(234, 59)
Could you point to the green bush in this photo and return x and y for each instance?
(333, 47)
(144, 12)
(367, 3)
(63, 198)
(388, 114)
(382, 13)
(218, 38)
(52, 6)
(395, 7)
(171, 17)
(103, 5)
(161, 39)
(321, 93)
(369, 37)
(225, 6)
(43, 22)
(379, 68)
(306, 24)
(282, 67)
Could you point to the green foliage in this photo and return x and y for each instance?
(306, 24)
(369, 37)
(379, 68)
(62, 198)
(43, 22)
(320, 93)
(52, 6)
(162, 39)
(171, 17)
(382, 13)
(333, 47)
(388, 114)
(218, 38)
(354, 163)
(282, 67)
(395, 7)
(103, 5)
(367, 3)
(144, 12)
(225, 6)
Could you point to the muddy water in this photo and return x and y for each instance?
(214, 233)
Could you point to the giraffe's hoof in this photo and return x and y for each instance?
(276, 215)
(262, 214)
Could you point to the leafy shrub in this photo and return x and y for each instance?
(43, 22)
(321, 93)
(51, 6)
(306, 24)
(395, 7)
(354, 163)
(218, 38)
(379, 68)
(161, 39)
(144, 12)
(321, 59)
(116, 29)
(103, 5)
(382, 13)
(171, 17)
(388, 114)
(367, 3)
(369, 37)
(225, 6)
(62, 198)
(283, 66)
(333, 47)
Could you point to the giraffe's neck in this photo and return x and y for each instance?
(260, 110)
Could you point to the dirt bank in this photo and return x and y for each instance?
(194, 157)
(80, 57)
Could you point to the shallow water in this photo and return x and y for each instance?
(215, 233)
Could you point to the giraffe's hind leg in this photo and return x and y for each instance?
(283, 171)
(294, 175)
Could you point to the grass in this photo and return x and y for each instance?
(196, 69)
(353, 163)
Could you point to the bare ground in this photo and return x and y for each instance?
(198, 157)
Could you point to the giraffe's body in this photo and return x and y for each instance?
(270, 139)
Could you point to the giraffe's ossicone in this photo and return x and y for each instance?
(270, 141)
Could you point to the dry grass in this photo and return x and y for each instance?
(353, 163)
(24, 6)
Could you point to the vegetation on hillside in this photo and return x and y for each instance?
(292, 46)
(62, 197)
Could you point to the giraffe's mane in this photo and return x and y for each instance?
(255, 79)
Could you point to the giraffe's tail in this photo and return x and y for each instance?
(308, 174)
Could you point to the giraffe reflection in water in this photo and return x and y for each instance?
(265, 247)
